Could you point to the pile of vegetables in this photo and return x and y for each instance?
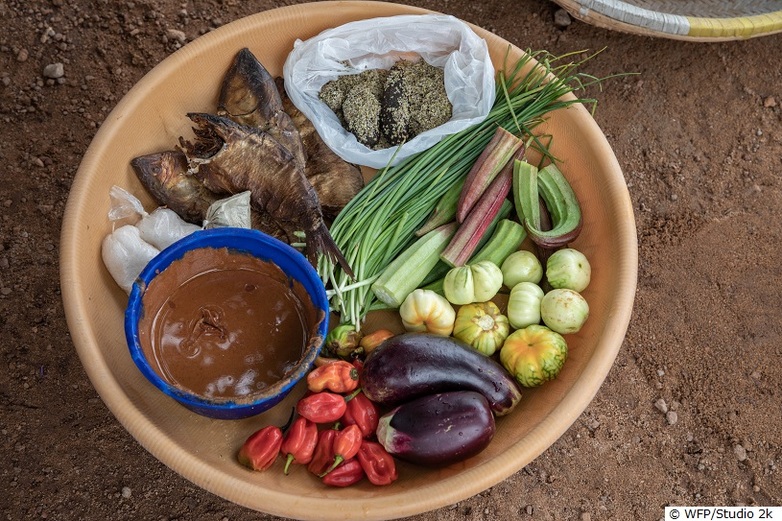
(464, 361)
(528, 334)
(430, 396)
(423, 398)
(438, 238)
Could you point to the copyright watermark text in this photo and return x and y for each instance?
(700, 513)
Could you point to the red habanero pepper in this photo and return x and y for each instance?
(346, 446)
(261, 449)
(324, 452)
(338, 376)
(349, 473)
(359, 365)
(323, 407)
(299, 442)
(363, 412)
(377, 463)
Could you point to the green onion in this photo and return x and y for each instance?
(381, 220)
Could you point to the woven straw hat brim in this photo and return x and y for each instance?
(704, 20)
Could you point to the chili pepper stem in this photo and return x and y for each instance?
(337, 460)
(288, 462)
(352, 395)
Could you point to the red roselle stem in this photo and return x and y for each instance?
(468, 236)
(498, 152)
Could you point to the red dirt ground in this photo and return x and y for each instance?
(691, 412)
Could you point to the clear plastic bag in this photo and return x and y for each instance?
(124, 205)
(442, 40)
(232, 211)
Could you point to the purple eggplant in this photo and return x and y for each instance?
(416, 364)
(438, 429)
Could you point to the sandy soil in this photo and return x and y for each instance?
(690, 414)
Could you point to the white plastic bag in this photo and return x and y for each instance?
(128, 248)
(125, 255)
(163, 227)
(442, 40)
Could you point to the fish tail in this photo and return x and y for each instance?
(320, 241)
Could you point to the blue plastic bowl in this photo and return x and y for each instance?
(260, 245)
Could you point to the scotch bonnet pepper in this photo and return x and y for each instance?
(324, 452)
(261, 449)
(377, 463)
(348, 473)
(363, 412)
(299, 442)
(323, 407)
(338, 376)
(346, 445)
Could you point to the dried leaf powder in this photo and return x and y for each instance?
(384, 108)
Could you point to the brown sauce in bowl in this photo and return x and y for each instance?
(225, 325)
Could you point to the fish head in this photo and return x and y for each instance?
(248, 94)
(211, 126)
(164, 175)
(161, 168)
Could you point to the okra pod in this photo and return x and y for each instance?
(445, 210)
(562, 204)
(406, 272)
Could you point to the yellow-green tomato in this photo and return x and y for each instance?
(564, 310)
(458, 286)
(521, 266)
(477, 282)
(524, 304)
(482, 325)
(534, 355)
(487, 280)
(568, 269)
(425, 310)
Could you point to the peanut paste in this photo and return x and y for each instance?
(224, 324)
